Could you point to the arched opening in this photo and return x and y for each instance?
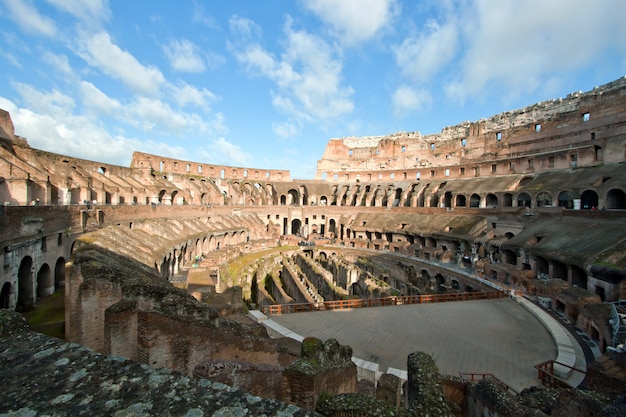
(323, 201)
(566, 200)
(616, 199)
(283, 200)
(544, 199)
(441, 283)
(332, 227)
(173, 197)
(579, 277)
(559, 271)
(491, 200)
(523, 200)
(434, 200)
(509, 257)
(509, 235)
(474, 200)
(5, 295)
(468, 288)
(507, 200)
(588, 200)
(541, 268)
(294, 198)
(397, 196)
(25, 291)
(455, 284)
(45, 282)
(161, 194)
(447, 199)
(295, 227)
(461, 201)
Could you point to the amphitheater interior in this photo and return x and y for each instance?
(175, 266)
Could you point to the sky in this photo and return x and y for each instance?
(266, 84)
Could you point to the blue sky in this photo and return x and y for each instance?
(266, 84)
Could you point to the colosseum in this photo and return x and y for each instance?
(179, 267)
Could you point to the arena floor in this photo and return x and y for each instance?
(487, 336)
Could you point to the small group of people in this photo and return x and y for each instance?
(34, 202)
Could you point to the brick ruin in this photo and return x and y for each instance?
(532, 200)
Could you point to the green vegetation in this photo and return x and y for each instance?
(48, 316)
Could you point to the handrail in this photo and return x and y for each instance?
(549, 378)
(477, 376)
(380, 302)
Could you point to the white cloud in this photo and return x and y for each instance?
(200, 16)
(95, 99)
(152, 114)
(407, 99)
(515, 46)
(99, 51)
(28, 18)
(184, 56)
(423, 56)
(185, 95)
(307, 74)
(77, 136)
(59, 62)
(354, 21)
(285, 130)
(53, 103)
(89, 11)
(244, 28)
(220, 151)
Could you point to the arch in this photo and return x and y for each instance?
(161, 194)
(25, 290)
(509, 235)
(397, 197)
(434, 200)
(565, 200)
(323, 200)
(616, 199)
(544, 199)
(461, 201)
(524, 200)
(509, 257)
(173, 197)
(559, 270)
(294, 198)
(447, 199)
(541, 267)
(5, 295)
(45, 281)
(332, 227)
(588, 200)
(579, 277)
(455, 284)
(283, 200)
(296, 224)
(507, 200)
(474, 200)
(491, 200)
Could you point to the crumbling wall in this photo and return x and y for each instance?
(325, 368)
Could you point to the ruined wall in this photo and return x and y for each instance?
(144, 161)
(320, 278)
(324, 368)
(591, 123)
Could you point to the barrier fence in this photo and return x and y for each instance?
(477, 376)
(550, 378)
(380, 302)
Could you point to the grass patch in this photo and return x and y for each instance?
(48, 316)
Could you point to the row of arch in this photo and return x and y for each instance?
(32, 285)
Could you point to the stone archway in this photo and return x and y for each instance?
(5, 295)
(25, 290)
(524, 200)
(616, 199)
(566, 200)
(296, 224)
(588, 200)
(45, 281)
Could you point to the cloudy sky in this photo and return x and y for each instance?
(266, 84)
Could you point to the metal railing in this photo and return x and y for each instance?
(380, 302)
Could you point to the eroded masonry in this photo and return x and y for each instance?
(161, 260)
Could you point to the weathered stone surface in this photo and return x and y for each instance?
(357, 405)
(51, 377)
(425, 391)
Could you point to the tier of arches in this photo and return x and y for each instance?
(32, 284)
